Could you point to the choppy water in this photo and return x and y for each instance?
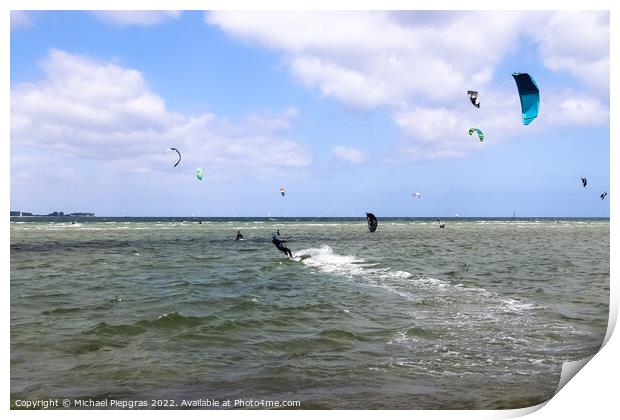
(478, 315)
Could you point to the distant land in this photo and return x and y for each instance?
(55, 213)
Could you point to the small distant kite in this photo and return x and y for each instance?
(584, 181)
(200, 172)
(416, 195)
(529, 95)
(603, 195)
(473, 97)
(476, 130)
(282, 191)
(175, 150)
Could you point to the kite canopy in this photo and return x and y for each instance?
(529, 96)
(171, 149)
(473, 97)
(282, 191)
(200, 172)
(603, 195)
(584, 181)
(480, 133)
(372, 222)
(416, 195)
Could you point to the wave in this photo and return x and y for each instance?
(176, 323)
(172, 320)
(105, 329)
(404, 283)
(326, 260)
(60, 311)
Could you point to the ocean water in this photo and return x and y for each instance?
(480, 314)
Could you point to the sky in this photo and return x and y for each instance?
(349, 111)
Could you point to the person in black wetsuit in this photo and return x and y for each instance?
(279, 243)
(239, 236)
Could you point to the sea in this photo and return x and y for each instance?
(480, 314)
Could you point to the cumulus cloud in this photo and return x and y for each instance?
(369, 59)
(136, 17)
(439, 132)
(86, 109)
(415, 63)
(348, 154)
(577, 42)
(567, 108)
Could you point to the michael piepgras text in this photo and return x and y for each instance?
(52, 403)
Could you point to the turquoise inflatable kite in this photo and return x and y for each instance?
(529, 96)
(477, 130)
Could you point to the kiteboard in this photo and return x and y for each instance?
(302, 257)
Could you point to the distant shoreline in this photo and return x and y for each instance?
(305, 218)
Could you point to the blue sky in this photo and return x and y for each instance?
(351, 112)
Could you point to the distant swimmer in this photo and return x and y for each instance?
(279, 243)
(584, 181)
(603, 195)
(239, 236)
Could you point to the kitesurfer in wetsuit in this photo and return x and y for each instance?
(279, 243)
(239, 236)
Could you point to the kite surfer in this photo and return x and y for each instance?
(279, 243)
(239, 236)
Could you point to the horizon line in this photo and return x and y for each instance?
(319, 217)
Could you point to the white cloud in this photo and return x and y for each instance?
(89, 110)
(369, 59)
(441, 132)
(20, 19)
(136, 17)
(577, 42)
(570, 109)
(414, 64)
(348, 154)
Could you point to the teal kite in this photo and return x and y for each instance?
(529, 96)
(480, 133)
(200, 172)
